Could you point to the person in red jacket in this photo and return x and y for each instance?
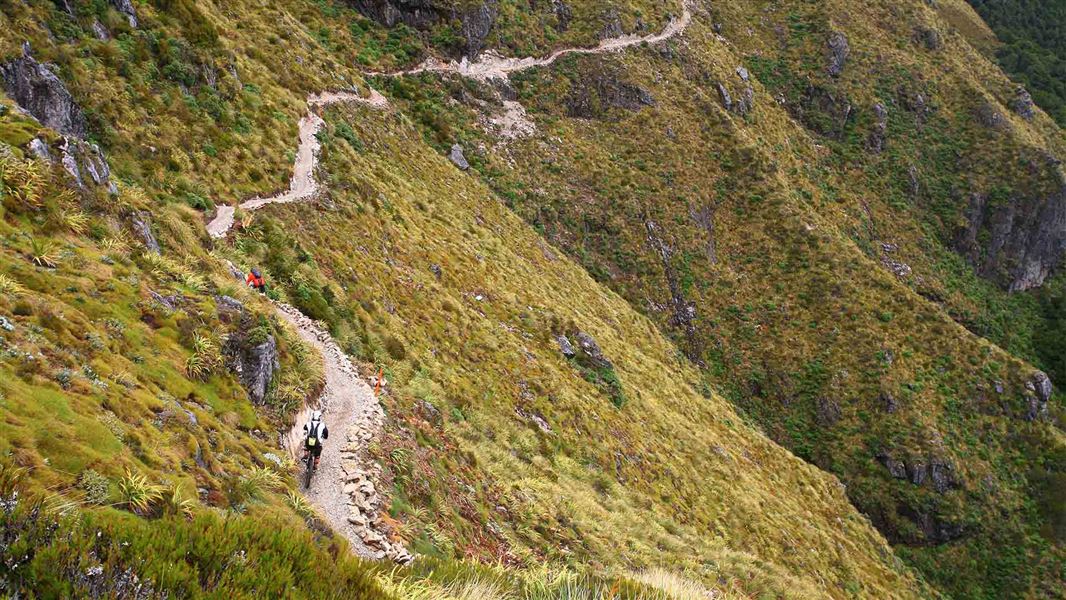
(255, 280)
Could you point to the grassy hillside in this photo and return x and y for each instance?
(123, 421)
(817, 279)
(786, 262)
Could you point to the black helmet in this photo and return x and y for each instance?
(256, 272)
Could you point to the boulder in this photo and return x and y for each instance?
(838, 53)
(1037, 394)
(1022, 103)
(565, 346)
(591, 351)
(727, 99)
(458, 158)
(40, 149)
(38, 90)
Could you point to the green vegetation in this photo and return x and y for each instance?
(755, 279)
(1033, 49)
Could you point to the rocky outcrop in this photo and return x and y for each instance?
(744, 101)
(86, 164)
(988, 115)
(42, 94)
(141, 224)
(1017, 239)
(563, 14)
(591, 351)
(838, 53)
(1037, 395)
(823, 110)
(475, 21)
(253, 359)
(458, 158)
(684, 311)
(38, 91)
(591, 98)
(1022, 103)
(937, 472)
(126, 7)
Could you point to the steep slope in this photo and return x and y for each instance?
(508, 439)
(790, 199)
(425, 271)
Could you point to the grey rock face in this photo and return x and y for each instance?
(141, 223)
(612, 28)
(457, 157)
(563, 14)
(475, 21)
(1022, 103)
(565, 346)
(253, 364)
(876, 142)
(896, 468)
(40, 149)
(1019, 240)
(592, 351)
(126, 7)
(1037, 394)
(37, 90)
(838, 53)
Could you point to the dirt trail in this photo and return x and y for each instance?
(302, 185)
(490, 65)
(343, 489)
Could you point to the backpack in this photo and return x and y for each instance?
(313, 432)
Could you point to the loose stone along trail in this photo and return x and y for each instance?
(343, 488)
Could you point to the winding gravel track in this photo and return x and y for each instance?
(343, 490)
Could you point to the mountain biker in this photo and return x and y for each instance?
(314, 432)
(255, 281)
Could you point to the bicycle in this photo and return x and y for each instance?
(309, 469)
